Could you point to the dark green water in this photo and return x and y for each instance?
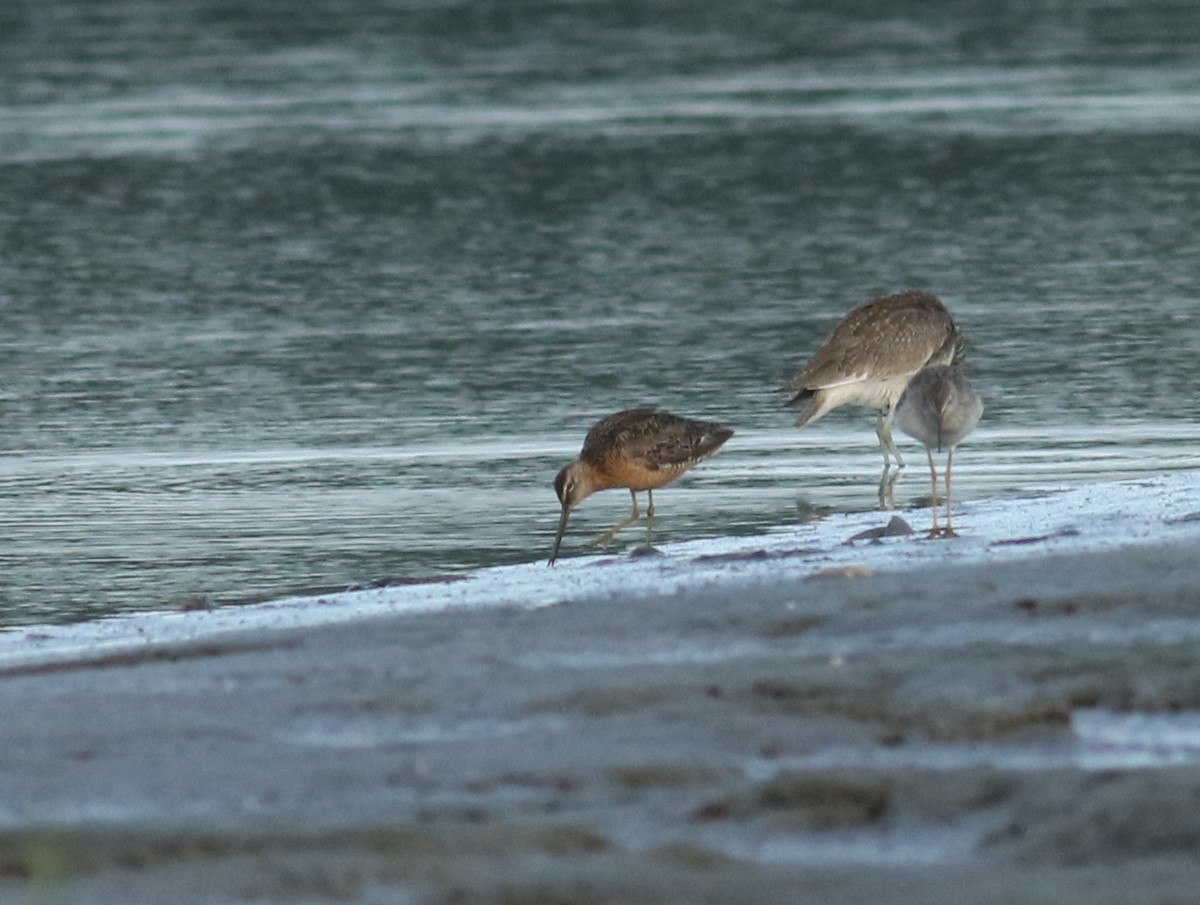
(305, 296)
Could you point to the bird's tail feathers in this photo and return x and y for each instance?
(796, 397)
(814, 406)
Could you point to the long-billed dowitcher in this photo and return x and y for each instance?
(638, 449)
(939, 408)
(869, 358)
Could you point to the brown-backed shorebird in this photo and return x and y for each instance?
(939, 408)
(638, 449)
(869, 358)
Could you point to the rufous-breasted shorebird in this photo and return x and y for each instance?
(638, 449)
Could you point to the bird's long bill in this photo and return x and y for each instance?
(562, 527)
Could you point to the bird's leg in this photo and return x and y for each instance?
(883, 444)
(883, 430)
(933, 532)
(887, 480)
(949, 532)
(649, 514)
(611, 532)
(887, 488)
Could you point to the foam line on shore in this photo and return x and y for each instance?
(1158, 510)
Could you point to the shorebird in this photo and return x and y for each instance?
(638, 449)
(939, 408)
(869, 358)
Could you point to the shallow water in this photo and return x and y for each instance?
(301, 302)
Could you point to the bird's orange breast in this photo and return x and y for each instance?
(617, 471)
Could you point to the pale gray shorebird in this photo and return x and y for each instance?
(638, 449)
(939, 408)
(869, 359)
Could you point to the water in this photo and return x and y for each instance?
(306, 297)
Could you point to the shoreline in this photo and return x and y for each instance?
(1159, 510)
(985, 721)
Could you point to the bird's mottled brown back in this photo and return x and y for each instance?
(650, 439)
(886, 337)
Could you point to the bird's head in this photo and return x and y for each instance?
(572, 486)
(960, 343)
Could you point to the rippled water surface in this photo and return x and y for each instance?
(296, 297)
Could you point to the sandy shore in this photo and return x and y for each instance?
(1015, 731)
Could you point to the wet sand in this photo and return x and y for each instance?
(1021, 731)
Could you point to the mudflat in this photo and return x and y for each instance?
(1017, 731)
